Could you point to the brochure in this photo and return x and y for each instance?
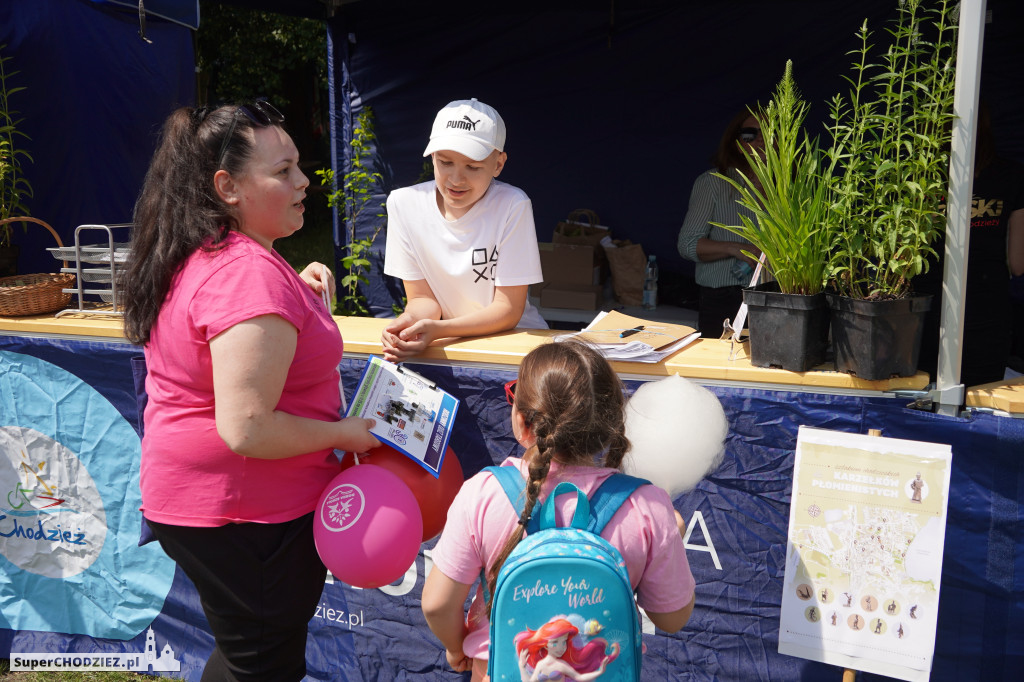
(413, 415)
(621, 337)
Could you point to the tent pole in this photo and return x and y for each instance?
(949, 392)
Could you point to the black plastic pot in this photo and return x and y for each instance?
(877, 339)
(789, 331)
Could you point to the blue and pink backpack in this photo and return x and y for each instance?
(564, 592)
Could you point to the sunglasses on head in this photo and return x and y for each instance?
(749, 134)
(510, 392)
(261, 113)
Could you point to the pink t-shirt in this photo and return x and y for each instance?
(644, 531)
(189, 477)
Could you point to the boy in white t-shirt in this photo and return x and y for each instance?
(464, 244)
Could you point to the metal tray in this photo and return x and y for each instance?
(92, 253)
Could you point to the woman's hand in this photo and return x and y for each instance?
(739, 255)
(320, 279)
(356, 436)
(250, 368)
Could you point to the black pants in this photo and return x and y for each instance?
(259, 585)
(716, 304)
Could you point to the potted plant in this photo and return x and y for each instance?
(14, 186)
(788, 318)
(890, 150)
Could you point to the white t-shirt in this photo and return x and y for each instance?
(494, 244)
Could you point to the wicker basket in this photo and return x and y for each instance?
(36, 294)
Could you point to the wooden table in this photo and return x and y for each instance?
(709, 361)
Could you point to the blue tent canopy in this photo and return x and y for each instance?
(614, 107)
(184, 12)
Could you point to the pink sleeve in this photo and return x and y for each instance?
(458, 552)
(480, 521)
(667, 584)
(243, 288)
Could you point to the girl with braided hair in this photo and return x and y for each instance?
(568, 413)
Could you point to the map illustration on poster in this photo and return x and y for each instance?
(864, 553)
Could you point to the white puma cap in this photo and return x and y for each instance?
(468, 127)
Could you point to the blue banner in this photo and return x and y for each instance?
(737, 519)
(69, 515)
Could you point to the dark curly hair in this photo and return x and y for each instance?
(178, 209)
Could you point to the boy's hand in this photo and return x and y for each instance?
(406, 337)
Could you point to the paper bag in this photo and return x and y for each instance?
(582, 229)
(628, 265)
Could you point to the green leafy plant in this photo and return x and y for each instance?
(353, 197)
(14, 186)
(890, 150)
(786, 194)
(242, 53)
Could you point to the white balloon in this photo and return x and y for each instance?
(677, 432)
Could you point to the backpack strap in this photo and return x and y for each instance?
(580, 516)
(608, 497)
(604, 501)
(514, 485)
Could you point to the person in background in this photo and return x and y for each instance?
(568, 411)
(464, 244)
(995, 264)
(242, 354)
(721, 271)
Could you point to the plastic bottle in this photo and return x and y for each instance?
(651, 284)
(742, 271)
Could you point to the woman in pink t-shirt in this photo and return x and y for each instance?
(243, 394)
(568, 407)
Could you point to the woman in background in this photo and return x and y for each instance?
(721, 271)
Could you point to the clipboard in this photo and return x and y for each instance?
(413, 415)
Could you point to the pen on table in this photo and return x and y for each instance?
(630, 332)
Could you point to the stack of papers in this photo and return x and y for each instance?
(621, 337)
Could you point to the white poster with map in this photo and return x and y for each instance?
(413, 415)
(867, 525)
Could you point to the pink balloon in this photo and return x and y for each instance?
(368, 526)
(433, 495)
